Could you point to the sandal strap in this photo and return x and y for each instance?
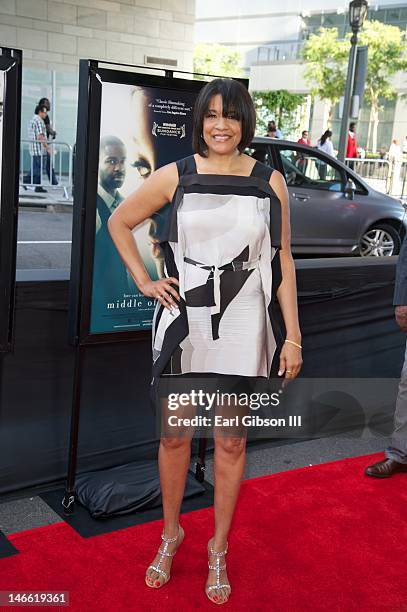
(170, 540)
(157, 569)
(218, 586)
(219, 554)
(216, 567)
(165, 554)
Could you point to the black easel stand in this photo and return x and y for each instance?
(200, 462)
(68, 501)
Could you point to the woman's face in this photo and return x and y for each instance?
(221, 134)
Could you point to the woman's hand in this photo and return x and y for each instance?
(290, 361)
(162, 291)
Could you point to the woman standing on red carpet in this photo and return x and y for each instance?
(228, 260)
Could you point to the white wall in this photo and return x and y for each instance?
(54, 34)
(257, 29)
(271, 77)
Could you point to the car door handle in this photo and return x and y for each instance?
(302, 197)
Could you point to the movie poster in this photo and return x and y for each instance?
(142, 128)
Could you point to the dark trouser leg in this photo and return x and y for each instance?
(36, 169)
(398, 449)
(52, 179)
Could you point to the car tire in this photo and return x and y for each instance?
(382, 234)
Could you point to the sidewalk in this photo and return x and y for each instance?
(54, 200)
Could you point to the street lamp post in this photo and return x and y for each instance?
(357, 14)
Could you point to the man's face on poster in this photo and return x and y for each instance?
(112, 167)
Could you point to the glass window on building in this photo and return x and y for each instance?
(385, 129)
(393, 15)
(333, 20)
(65, 108)
(379, 15)
(61, 88)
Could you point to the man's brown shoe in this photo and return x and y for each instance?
(385, 468)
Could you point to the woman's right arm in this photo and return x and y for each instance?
(152, 195)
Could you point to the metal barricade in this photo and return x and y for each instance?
(376, 172)
(382, 174)
(44, 168)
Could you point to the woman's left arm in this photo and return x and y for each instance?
(290, 356)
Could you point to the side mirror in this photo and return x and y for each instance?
(350, 189)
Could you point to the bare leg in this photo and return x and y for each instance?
(173, 462)
(229, 464)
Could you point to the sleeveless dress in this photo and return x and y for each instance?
(222, 243)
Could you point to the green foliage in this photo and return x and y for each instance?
(280, 105)
(326, 59)
(216, 60)
(387, 54)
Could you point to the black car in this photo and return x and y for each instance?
(332, 209)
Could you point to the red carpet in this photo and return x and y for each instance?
(318, 538)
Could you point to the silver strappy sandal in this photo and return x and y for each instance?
(217, 568)
(163, 552)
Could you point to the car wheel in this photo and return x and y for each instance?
(381, 240)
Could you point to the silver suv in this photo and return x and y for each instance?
(332, 209)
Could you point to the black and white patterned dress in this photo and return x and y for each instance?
(222, 243)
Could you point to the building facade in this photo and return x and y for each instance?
(55, 34)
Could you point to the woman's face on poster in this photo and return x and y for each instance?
(142, 154)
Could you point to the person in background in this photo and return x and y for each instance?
(51, 133)
(405, 146)
(396, 454)
(325, 143)
(395, 159)
(37, 134)
(50, 136)
(272, 128)
(352, 145)
(304, 138)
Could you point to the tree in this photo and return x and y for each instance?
(387, 55)
(326, 58)
(216, 59)
(280, 105)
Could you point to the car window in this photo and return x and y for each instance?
(305, 169)
(259, 152)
